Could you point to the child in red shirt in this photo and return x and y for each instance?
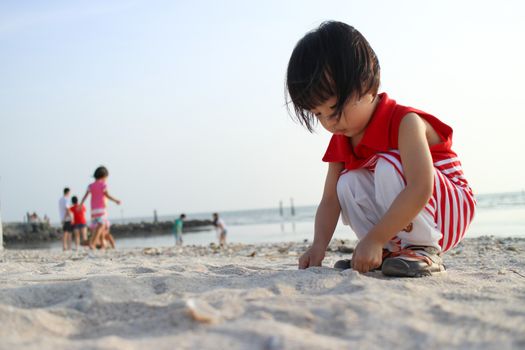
(392, 173)
(79, 221)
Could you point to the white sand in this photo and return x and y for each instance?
(198, 298)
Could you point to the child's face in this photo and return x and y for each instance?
(354, 118)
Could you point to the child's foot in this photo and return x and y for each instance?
(414, 261)
(344, 264)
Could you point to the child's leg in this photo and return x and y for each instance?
(77, 238)
(102, 239)
(389, 182)
(90, 234)
(84, 233)
(110, 239)
(356, 193)
(65, 240)
(223, 239)
(178, 238)
(97, 235)
(453, 207)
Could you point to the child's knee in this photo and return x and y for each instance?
(350, 182)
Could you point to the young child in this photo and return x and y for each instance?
(177, 229)
(392, 173)
(79, 221)
(220, 226)
(99, 215)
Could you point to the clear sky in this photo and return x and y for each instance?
(183, 101)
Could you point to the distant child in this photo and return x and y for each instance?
(392, 173)
(220, 226)
(79, 221)
(177, 229)
(65, 219)
(99, 215)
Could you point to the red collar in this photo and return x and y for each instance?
(377, 133)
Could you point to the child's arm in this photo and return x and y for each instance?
(69, 214)
(419, 174)
(325, 219)
(84, 198)
(106, 193)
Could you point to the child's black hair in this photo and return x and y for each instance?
(74, 200)
(66, 190)
(182, 216)
(101, 172)
(332, 60)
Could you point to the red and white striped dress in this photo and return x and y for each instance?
(452, 203)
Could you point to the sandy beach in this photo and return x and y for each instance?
(253, 297)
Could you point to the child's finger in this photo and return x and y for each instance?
(303, 262)
(358, 265)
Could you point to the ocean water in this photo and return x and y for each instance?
(500, 215)
(250, 227)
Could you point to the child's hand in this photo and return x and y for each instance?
(312, 257)
(118, 202)
(368, 255)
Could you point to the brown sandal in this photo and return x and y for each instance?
(414, 261)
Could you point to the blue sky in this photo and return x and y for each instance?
(183, 101)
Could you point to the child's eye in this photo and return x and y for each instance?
(333, 116)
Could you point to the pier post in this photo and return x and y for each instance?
(1, 234)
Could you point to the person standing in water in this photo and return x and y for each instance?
(177, 229)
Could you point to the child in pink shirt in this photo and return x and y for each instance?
(99, 216)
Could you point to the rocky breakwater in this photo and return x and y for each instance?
(16, 233)
(23, 232)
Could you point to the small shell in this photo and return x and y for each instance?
(150, 251)
(202, 312)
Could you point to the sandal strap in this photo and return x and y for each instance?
(414, 252)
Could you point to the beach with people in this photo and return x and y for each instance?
(291, 175)
(253, 297)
